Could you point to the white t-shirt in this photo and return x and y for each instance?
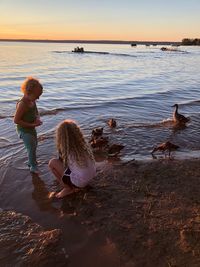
(81, 176)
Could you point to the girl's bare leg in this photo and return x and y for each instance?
(57, 169)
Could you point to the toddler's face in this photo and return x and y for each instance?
(37, 93)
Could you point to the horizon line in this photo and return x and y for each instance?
(86, 41)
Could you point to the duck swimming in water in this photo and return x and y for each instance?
(97, 132)
(179, 118)
(115, 149)
(167, 146)
(112, 123)
(99, 143)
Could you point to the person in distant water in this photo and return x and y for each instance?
(27, 118)
(75, 167)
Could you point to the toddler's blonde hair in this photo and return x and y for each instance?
(70, 141)
(29, 85)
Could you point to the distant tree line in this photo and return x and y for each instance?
(188, 41)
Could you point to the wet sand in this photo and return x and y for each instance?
(134, 214)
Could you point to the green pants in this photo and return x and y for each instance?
(30, 143)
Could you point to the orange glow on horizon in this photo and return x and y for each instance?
(89, 37)
(100, 20)
(81, 32)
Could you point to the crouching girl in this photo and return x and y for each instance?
(75, 167)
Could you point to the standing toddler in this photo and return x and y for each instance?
(27, 118)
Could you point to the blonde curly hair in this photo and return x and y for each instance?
(30, 84)
(70, 141)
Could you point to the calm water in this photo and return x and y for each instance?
(135, 85)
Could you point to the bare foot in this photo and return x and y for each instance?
(51, 195)
(65, 192)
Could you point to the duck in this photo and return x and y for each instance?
(99, 143)
(112, 123)
(115, 149)
(179, 118)
(97, 132)
(166, 146)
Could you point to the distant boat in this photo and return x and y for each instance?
(175, 45)
(78, 50)
(169, 49)
(81, 51)
(133, 44)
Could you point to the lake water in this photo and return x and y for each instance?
(134, 85)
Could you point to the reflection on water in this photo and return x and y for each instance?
(40, 195)
(178, 127)
(137, 90)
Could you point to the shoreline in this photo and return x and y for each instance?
(93, 41)
(134, 214)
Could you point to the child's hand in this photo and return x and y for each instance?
(38, 122)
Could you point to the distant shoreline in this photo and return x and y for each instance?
(93, 41)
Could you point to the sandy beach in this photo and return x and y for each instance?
(134, 214)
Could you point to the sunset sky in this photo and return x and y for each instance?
(145, 20)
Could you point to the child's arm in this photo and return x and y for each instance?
(38, 116)
(21, 109)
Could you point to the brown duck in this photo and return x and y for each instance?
(179, 118)
(97, 132)
(99, 143)
(112, 123)
(167, 146)
(115, 149)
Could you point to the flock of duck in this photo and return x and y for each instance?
(100, 142)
